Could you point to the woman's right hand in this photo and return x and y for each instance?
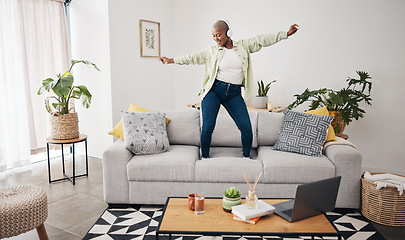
(166, 60)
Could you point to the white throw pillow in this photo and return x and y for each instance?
(145, 132)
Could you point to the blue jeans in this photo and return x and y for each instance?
(229, 95)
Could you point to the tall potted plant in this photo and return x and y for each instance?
(261, 98)
(64, 123)
(342, 104)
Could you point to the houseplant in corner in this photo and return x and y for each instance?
(231, 198)
(65, 124)
(343, 104)
(261, 98)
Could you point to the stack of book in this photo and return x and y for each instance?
(244, 214)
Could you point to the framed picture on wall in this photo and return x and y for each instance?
(150, 38)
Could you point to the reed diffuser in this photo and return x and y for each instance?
(251, 198)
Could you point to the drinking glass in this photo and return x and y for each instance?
(199, 203)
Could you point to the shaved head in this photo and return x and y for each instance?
(220, 24)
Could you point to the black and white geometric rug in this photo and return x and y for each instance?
(141, 221)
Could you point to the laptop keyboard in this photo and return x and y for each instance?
(287, 212)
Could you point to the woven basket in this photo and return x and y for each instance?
(384, 206)
(65, 126)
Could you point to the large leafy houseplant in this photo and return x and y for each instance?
(64, 90)
(343, 103)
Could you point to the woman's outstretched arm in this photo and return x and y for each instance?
(199, 57)
(264, 40)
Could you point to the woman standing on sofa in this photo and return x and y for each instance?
(227, 70)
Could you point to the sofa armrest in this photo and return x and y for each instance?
(348, 162)
(115, 161)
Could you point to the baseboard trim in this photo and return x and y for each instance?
(382, 170)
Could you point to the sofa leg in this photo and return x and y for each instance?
(42, 232)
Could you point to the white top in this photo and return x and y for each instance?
(230, 68)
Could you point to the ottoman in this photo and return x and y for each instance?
(22, 208)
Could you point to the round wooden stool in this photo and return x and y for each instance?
(22, 208)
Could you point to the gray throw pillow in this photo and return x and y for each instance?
(145, 132)
(303, 133)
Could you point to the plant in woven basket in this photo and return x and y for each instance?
(65, 125)
(64, 90)
(343, 103)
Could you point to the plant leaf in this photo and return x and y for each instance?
(47, 85)
(85, 96)
(48, 108)
(64, 85)
(88, 63)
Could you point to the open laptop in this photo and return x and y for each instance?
(310, 200)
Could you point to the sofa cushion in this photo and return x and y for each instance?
(226, 169)
(285, 167)
(268, 127)
(324, 111)
(227, 134)
(184, 127)
(145, 132)
(230, 152)
(303, 133)
(175, 165)
(118, 130)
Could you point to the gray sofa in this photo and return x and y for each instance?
(150, 179)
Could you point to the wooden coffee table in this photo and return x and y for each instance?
(178, 219)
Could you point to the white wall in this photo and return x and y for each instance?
(90, 41)
(142, 81)
(335, 39)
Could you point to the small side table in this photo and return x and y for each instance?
(81, 138)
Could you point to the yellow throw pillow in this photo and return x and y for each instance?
(118, 131)
(324, 111)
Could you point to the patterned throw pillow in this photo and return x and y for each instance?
(145, 132)
(303, 133)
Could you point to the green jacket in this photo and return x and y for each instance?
(212, 56)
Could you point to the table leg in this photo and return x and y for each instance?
(49, 162)
(63, 160)
(87, 159)
(157, 236)
(74, 176)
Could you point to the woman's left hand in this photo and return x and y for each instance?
(293, 29)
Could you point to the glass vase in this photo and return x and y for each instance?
(251, 200)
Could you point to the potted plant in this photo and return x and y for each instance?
(261, 98)
(231, 198)
(64, 123)
(342, 104)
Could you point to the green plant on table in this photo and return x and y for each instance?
(344, 102)
(232, 192)
(263, 89)
(64, 90)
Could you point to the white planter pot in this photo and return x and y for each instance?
(261, 102)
